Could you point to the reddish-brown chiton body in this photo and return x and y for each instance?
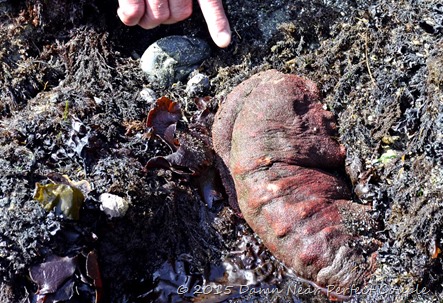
(279, 159)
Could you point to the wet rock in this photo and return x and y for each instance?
(173, 58)
(269, 23)
(280, 161)
(197, 85)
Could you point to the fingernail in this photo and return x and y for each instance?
(223, 39)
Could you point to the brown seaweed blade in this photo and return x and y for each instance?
(279, 160)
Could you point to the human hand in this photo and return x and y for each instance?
(151, 13)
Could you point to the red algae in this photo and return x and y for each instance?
(279, 160)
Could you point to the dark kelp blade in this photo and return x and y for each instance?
(50, 275)
(162, 120)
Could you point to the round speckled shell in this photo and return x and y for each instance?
(278, 158)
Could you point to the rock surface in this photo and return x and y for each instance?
(197, 84)
(173, 58)
(280, 161)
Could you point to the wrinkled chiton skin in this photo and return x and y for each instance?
(278, 159)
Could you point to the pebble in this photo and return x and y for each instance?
(148, 95)
(173, 58)
(197, 85)
(112, 205)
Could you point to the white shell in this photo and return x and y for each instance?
(114, 206)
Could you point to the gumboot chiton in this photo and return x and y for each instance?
(278, 159)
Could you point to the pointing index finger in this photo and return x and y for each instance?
(217, 21)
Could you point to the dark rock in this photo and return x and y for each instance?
(197, 85)
(173, 58)
(277, 149)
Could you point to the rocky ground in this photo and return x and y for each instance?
(71, 104)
